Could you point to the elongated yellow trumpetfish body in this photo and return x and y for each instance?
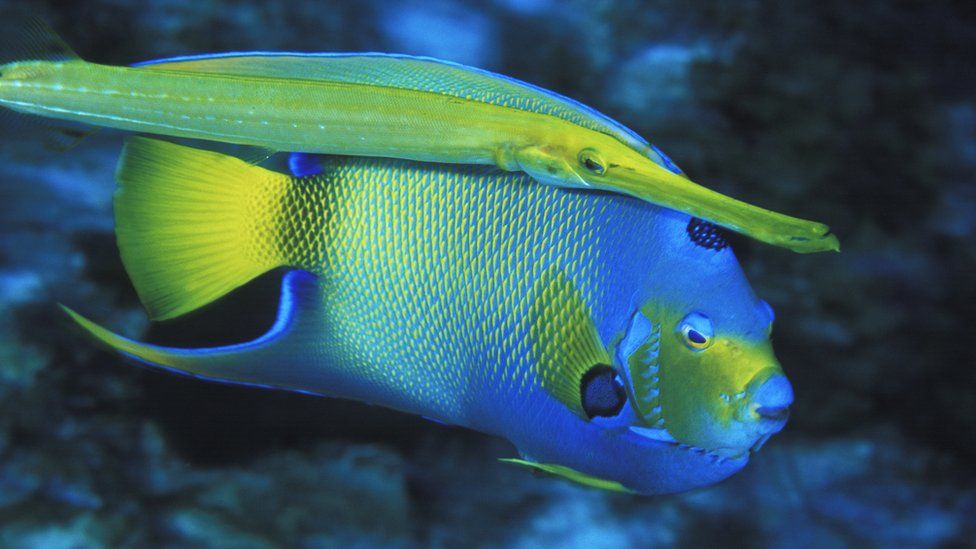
(383, 106)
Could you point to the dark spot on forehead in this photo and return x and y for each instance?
(707, 235)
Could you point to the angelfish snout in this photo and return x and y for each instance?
(772, 401)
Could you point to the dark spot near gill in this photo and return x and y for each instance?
(707, 235)
(602, 392)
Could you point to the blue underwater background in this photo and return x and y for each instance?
(858, 114)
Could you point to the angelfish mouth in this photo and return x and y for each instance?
(661, 435)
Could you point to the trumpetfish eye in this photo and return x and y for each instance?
(589, 159)
(602, 392)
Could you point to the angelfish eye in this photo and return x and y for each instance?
(589, 159)
(696, 331)
(602, 392)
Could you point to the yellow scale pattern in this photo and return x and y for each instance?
(448, 286)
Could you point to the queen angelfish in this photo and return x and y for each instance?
(613, 342)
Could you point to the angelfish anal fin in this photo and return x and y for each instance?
(277, 360)
(567, 473)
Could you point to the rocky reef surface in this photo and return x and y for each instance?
(858, 115)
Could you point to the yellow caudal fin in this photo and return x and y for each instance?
(192, 225)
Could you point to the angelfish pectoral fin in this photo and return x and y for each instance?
(274, 360)
(567, 473)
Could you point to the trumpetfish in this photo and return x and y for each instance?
(377, 105)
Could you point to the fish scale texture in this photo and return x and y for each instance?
(449, 287)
